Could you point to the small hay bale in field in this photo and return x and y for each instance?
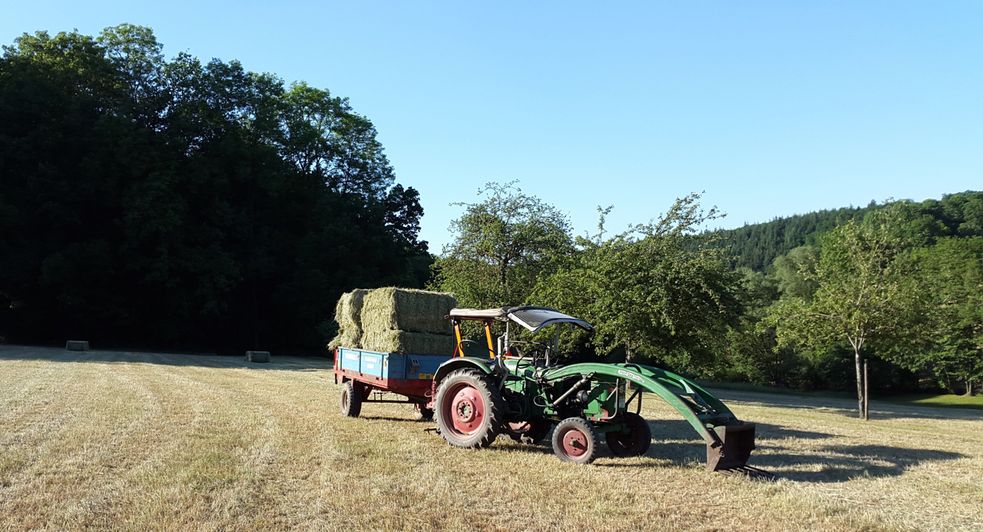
(404, 309)
(408, 342)
(257, 356)
(77, 345)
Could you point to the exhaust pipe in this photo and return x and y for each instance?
(733, 448)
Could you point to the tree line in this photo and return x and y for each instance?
(756, 246)
(898, 284)
(182, 203)
(155, 202)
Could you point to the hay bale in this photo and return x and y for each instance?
(408, 310)
(348, 316)
(346, 338)
(257, 356)
(408, 342)
(348, 311)
(77, 345)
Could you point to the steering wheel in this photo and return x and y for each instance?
(533, 350)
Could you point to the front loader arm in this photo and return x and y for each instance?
(729, 440)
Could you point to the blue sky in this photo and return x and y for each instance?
(771, 108)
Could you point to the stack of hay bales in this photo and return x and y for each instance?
(396, 320)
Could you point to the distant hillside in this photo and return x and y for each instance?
(755, 246)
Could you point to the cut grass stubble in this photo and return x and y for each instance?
(128, 440)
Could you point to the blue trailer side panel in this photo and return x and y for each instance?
(391, 365)
(366, 362)
(423, 366)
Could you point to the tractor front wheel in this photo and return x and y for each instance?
(634, 440)
(351, 398)
(469, 409)
(575, 440)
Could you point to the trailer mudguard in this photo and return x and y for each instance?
(729, 440)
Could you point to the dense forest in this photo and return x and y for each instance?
(174, 203)
(756, 246)
(185, 204)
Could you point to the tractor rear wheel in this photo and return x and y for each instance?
(575, 440)
(634, 440)
(469, 409)
(351, 398)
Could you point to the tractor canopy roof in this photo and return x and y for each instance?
(531, 318)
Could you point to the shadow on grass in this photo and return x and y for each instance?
(55, 354)
(390, 419)
(676, 444)
(776, 453)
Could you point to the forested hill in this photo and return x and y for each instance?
(755, 246)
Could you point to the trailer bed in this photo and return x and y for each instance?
(405, 374)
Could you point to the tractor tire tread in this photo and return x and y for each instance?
(583, 426)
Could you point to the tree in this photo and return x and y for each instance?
(659, 291)
(176, 203)
(502, 246)
(950, 274)
(751, 352)
(794, 272)
(757, 245)
(864, 294)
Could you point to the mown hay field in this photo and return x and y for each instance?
(154, 441)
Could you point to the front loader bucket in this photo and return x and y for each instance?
(734, 448)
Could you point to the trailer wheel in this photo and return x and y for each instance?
(575, 440)
(634, 440)
(469, 409)
(351, 398)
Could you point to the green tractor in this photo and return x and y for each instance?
(495, 388)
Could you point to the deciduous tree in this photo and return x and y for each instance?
(864, 294)
(502, 245)
(658, 291)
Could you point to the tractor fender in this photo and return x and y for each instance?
(667, 385)
(483, 365)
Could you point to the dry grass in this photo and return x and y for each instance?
(138, 441)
